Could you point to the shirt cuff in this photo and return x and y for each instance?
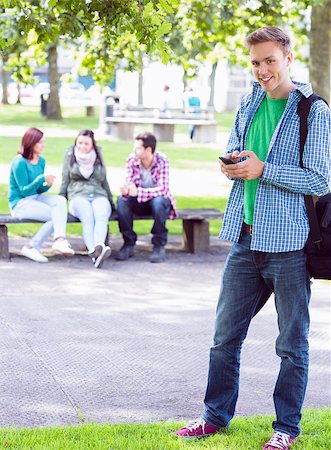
(139, 194)
(270, 172)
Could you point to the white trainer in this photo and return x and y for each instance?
(105, 254)
(34, 254)
(63, 246)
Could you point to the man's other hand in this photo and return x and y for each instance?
(133, 192)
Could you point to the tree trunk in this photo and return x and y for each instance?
(140, 80)
(18, 87)
(185, 79)
(5, 79)
(212, 85)
(320, 50)
(53, 104)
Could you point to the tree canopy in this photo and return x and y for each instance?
(110, 33)
(53, 20)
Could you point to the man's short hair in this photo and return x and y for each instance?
(148, 140)
(267, 34)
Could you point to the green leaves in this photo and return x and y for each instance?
(146, 22)
(5, 44)
(163, 29)
(185, 31)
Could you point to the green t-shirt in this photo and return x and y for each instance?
(258, 139)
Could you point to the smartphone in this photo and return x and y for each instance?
(226, 160)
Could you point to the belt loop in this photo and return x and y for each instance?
(247, 229)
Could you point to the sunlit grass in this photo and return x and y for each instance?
(245, 433)
(181, 156)
(75, 118)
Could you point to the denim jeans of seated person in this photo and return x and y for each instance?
(51, 209)
(158, 207)
(94, 213)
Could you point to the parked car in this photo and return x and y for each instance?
(41, 88)
(72, 91)
(26, 91)
(68, 91)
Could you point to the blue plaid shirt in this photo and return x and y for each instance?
(280, 217)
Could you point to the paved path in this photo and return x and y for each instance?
(211, 183)
(130, 342)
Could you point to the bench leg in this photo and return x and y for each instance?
(196, 236)
(4, 246)
(122, 131)
(164, 132)
(205, 133)
(90, 111)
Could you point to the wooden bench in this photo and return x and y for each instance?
(163, 128)
(195, 228)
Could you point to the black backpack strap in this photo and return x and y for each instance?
(303, 109)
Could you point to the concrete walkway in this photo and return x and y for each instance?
(130, 342)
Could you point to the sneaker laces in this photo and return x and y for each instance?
(279, 440)
(192, 426)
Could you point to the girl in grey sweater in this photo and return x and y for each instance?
(85, 185)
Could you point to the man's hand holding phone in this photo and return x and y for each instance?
(226, 161)
(249, 169)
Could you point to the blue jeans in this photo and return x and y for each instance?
(249, 279)
(51, 209)
(94, 213)
(159, 207)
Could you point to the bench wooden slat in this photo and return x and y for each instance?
(161, 121)
(163, 128)
(188, 214)
(195, 227)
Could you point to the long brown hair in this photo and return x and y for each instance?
(90, 134)
(31, 137)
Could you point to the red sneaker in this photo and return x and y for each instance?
(197, 429)
(279, 441)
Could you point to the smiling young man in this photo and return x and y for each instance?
(267, 222)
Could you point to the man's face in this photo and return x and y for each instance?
(139, 149)
(271, 68)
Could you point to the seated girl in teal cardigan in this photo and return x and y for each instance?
(27, 199)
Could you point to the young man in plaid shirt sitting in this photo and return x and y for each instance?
(145, 192)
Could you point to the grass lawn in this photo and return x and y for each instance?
(115, 153)
(181, 156)
(29, 116)
(75, 118)
(245, 433)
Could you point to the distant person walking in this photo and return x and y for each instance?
(192, 107)
(266, 220)
(84, 183)
(164, 103)
(145, 192)
(27, 199)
